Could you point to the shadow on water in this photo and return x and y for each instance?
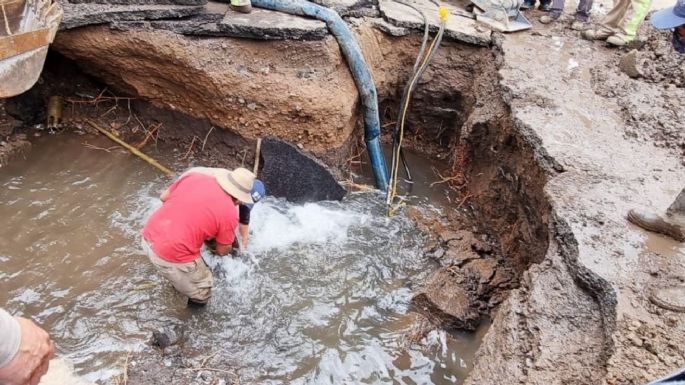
(321, 297)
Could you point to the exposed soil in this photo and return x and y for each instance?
(654, 114)
(547, 153)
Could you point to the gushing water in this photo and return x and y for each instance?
(320, 297)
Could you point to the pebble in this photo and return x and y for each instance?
(529, 362)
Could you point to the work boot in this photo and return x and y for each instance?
(242, 6)
(596, 34)
(546, 19)
(527, 5)
(670, 298)
(616, 41)
(578, 25)
(195, 304)
(663, 225)
(545, 7)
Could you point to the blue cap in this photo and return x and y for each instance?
(258, 192)
(670, 17)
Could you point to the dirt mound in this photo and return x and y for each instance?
(652, 105)
(662, 64)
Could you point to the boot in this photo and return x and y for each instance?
(545, 7)
(663, 225)
(670, 298)
(242, 6)
(527, 5)
(550, 18)
(578, 25)
(616, 41)
(599, 34)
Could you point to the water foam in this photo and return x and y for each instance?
(277, 224)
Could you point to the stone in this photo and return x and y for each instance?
(447, 303)
(389, 28)
(292, 174)
(457, 27)
(167, 336)
(80, 15)
(484, 269)
(271, 25)
(629, 65)
(635, 340)
(447, 235)
(457, 257)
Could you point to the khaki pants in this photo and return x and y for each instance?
(625, 17)
(192, 279)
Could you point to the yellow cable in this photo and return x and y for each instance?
(443, 13)
(424, 63)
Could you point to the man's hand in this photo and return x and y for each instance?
(31, 361)
(211, 245)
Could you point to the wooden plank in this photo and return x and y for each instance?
(23, 42)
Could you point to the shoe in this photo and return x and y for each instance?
(545, 7)
(547, 19)
(242, 6)
(657, 224)
(616, 40)
(599, 34)
(670, 298)
(194, 304)
(579, 25)
(527, 5)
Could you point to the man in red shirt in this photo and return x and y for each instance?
(195, 208)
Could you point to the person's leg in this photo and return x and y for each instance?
(527, 4)
(545, 5)
(192, 279)
(556, 9)
(583, 10)
(614, 19)
(610, 23)
(635, 14)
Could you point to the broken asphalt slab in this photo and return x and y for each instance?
(80, 15)
(457, 27)
(269, 25)
(292, 174)
(140, 2)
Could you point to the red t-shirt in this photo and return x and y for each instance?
(196, 209)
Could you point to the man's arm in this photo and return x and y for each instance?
(28, 361)
(244, 224)
(164, 196)
(244, 234)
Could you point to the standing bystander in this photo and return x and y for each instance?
(619, 26)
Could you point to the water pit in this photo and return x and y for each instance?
(326, 295)
(323, 298)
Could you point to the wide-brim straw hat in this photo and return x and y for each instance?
(237, 183)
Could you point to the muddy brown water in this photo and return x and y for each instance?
(322, 297)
